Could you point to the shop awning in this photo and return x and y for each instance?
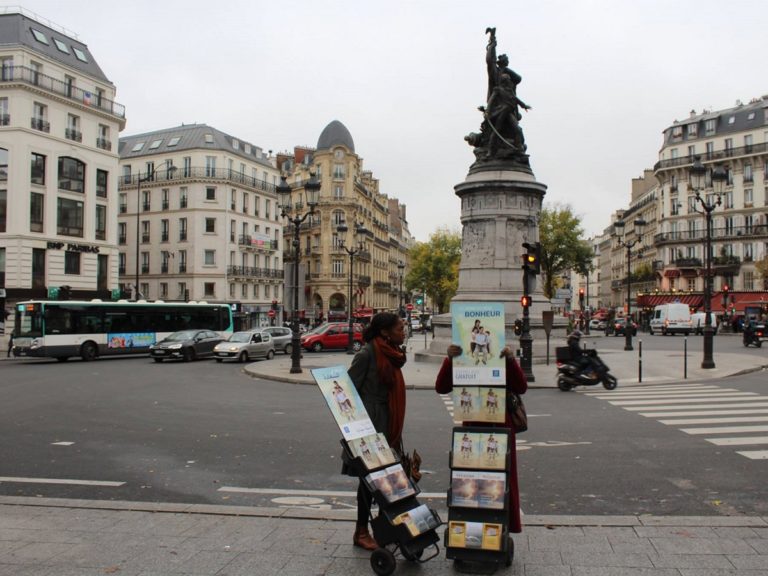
(672, 273)
(651, 300)
(740, 301)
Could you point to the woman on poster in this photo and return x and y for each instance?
(515, 382)
(376, 371)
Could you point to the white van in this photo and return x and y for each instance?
(698, 320)
(671, 318)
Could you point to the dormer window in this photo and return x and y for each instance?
(137, 147)
(39, 36)
(80, 55)
(173, 141)
(61, 46)
(155, 144)
(209, 138)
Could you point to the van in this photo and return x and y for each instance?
(699, 319)
(671, 318)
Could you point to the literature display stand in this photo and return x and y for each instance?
(402, 524)
(478, 502)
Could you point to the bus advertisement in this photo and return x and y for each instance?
(62, 329)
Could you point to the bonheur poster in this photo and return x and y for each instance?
(342, 398)
(478, 327)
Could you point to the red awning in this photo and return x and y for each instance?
(672, 273)
(740, 301)
(651, 300)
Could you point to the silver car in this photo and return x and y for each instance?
(282, 337)
(242, 346)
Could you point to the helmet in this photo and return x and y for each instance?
(575, 335)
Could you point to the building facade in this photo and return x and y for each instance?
(735, 139)
(198, 220)
(59, 126)
(349, 195)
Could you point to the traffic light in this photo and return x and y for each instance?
(518, 327)
(274, 304)
(581, 298)
(532, 257)
(419, 301)
(525, 301)
(726, 289)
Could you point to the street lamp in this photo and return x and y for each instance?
(400, 268)
(342, 229)
(312, 190)
(150, 175)
(697, 173)
(619, 229)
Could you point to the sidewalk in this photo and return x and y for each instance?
(87, 538)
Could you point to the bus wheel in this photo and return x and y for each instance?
(88, 351)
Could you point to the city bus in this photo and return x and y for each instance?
(88, 329)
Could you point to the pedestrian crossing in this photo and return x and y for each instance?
(723, 416)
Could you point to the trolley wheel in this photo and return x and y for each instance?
(510, 551)
(383, 561)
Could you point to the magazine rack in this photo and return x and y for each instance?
(478, 530)
(401, 525)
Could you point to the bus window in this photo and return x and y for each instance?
(58, 320)
(28, 321)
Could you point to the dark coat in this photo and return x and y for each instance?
(517, 383)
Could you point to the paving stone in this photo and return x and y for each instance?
(708, 561)
(701, 546)
(554, 541)
(715, 572)
(34, 553)
(749, 562)
(613, 571)
(675, 532)
(608, 560)
(264, 564)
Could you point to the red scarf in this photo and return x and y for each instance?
(389, 361)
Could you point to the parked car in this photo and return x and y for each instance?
(597, 324)
(698, 320)
(248, 345)
(332, 336)
(185, 344)
(671, 318)
(281, 337)
(619, 327)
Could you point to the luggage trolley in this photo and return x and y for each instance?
(402, 524)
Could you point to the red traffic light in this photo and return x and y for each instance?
(725, 288)
(525, 301)
(581, 291)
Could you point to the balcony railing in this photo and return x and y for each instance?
(182, 268)
(103, 144)
(254, 272)
(731, 232)
(251, 242)
(164, 268)
(688, 262)
(382, 286)
(183, 203)
(726, 261)
(164, 237)
(121, 270)
(72, 134)
(123, 208)
(182, 236)
(145, 238)
(199, 173)
(146, 206)
(144, 269)
(5, 119)
(165, 205)
(40, 124)
(713, 156)
(364, 280)
(122, 239)
(25, 75)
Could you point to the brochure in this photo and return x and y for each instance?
(475, 489)
(484, 450)
(419, 520)
(477, 535)
(391, 482)
(373, 450)
(342, 398)
(478, 327)
(479, 403)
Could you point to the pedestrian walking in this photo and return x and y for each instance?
(376, 371)
(10, 345)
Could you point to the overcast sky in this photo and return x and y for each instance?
(604, 78)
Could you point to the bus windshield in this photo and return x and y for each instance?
(29, 321)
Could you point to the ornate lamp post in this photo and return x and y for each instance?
(360, 230)
(629, 244)
(697, 173)
(148, 177)
(400, 269)
(312, 190)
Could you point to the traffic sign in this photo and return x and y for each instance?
(409, 307)
(271, 313)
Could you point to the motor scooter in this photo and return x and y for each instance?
(754, 336)
(570, 374)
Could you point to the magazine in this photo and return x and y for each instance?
(419, 520)
(342, 398)
(477, 535)
(475, 489)
(392, 482)
(478, 327)
(485, 450)
(373, 450)
(479, 403)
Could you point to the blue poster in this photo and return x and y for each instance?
(478, 327)
(131, 340)
(342, 398)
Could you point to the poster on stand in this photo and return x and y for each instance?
(478, 327)
(479, 403)
(342, 398)
(474, 535)
(391, 482)
(475, 489)
(480, 450)
(374, 451)
(418, 520)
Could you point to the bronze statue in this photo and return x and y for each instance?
(500, 136)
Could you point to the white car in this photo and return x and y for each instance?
(698, 320)
(596, 324)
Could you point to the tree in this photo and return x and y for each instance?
(434, 267)
(562, 247)
(762, 269)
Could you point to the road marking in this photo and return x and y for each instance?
(703, 413)
(62, 443)
(671, 394)
(744, 441)
(733, 420)
(60, 481)
(754, 454)
(306, 493)
(725, 430)
(744, 403)
(731, 398)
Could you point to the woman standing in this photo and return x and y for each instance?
(515, 382)
(377, 375)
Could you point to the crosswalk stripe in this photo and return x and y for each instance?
(754, 454)
(678, 422)
(739, 441)
(740, 396)
(703, 413)
(725, 430)
(662, 395)
(746, 402)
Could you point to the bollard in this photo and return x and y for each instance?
(685, 358)
(547, 348)
(639, 361)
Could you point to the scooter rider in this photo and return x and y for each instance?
(577, 354)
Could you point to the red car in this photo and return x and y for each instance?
(333, 336)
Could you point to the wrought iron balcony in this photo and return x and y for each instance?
(104, 144)
(144, 269)
(5, 119)
(145, 238)
(748, 150)
(122, 239)
(199, 173)
(164, 268)
(182, 236)
(182, 268)
(688, 263)
(40, 124)
(72, 134)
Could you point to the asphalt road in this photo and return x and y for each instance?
(206, 433)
